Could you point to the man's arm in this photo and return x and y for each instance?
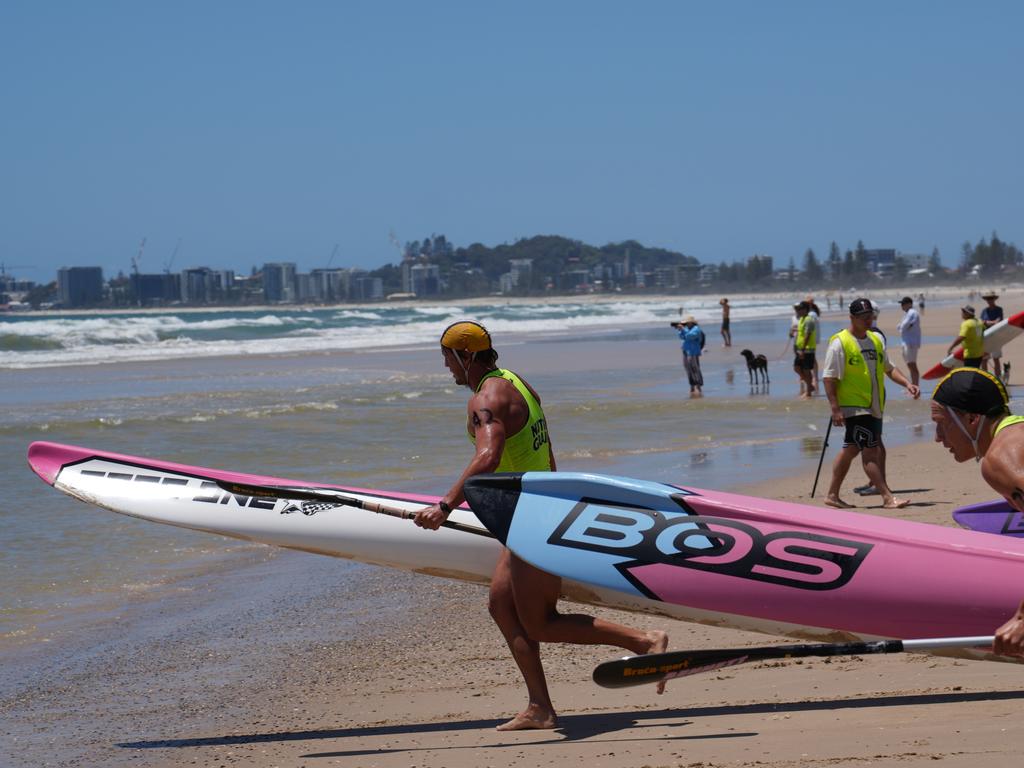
(488, 413)
(956, 342)
(897, 375)
(833, 402)
(1010, 637)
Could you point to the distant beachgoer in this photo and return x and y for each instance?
(910, 336)
(815, 314)
(805, 346)
(972, 336)
(991, 315)
(693, 341)
(971, 412)
(855, 366)
(726, 333)
(920, 302)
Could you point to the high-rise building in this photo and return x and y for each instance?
(155, 289)
(425, 279)
(329, 285)
(80, 286)
(202, 285)
(364, 288)
(279, 282)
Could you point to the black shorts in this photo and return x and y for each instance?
(804, 361)
(973, 362)
(863, 431)
(725, 324)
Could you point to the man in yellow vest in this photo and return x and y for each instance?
(971, 412)
(856, 365)
(508, 429)
(805, 346)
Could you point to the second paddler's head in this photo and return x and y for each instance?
(464, 345)
(963, 404)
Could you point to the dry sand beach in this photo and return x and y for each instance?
(426, 687)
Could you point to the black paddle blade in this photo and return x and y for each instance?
(654, 667)
(640, 670)
(493, 499)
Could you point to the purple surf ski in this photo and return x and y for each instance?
(991, 517)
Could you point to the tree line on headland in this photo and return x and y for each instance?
(550, 263)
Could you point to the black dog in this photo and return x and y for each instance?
(756, 363)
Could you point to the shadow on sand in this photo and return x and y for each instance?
(578, 727)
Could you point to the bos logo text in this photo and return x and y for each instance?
(797, 559)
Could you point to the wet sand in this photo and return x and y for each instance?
(183, 685)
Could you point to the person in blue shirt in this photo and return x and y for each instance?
(693, 341)
(991, 315)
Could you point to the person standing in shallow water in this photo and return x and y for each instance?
(726, 332)
(507, 426)
(693, 340)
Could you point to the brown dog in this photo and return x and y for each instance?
(756, 364)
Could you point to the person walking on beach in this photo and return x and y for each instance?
(693, 341)
(726, 333)
(991, 315)
(805, 347)
(855, 368)
(508, 429)
(910, 336)
(971, 412)
(972, 336)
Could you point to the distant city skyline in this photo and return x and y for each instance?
(239, 133)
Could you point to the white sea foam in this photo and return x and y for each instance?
(90, 340)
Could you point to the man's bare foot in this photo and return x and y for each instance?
(835, 501)
(894, 503)
(533, 719)
(658, 643)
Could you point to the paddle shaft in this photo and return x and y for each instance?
(329, 495)
(652, 668)
(821, 459)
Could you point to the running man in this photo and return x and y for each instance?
(971, 412)
(855, 368)
(507, 426)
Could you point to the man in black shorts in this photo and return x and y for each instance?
(804, 346)
(856, 364)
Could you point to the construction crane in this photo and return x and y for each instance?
(333, 254)
(138, 257)
(136, 283)
(170, 261)
(5, 267)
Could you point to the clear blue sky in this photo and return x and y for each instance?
(264, 131)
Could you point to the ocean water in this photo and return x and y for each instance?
(354, 397)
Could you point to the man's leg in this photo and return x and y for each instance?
(840, 467)
(915, 375)
(873, 459)
(536, 595)
(539, 712)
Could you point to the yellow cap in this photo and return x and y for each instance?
(466, 335)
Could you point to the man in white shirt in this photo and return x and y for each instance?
(910, 336)
(853, 384)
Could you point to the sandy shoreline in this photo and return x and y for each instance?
(426, 688)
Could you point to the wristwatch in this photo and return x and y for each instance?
(444, 507)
